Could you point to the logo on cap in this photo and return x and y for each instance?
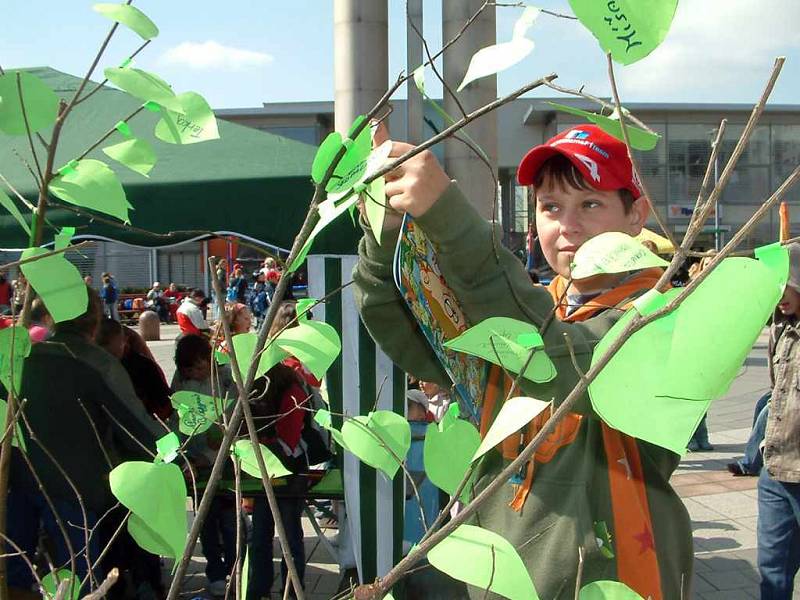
(594, 172)
(577, 134)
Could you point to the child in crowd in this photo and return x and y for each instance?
(588, 477)
(218, 536)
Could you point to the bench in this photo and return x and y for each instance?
(129, 315)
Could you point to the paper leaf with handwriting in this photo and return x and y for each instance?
(507, 342)
(197, 412)
(41, 103)
(612, 252)
(485, 560)
(629, 29)
(188, 119)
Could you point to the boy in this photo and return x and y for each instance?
(588, 479)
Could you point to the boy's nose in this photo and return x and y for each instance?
(570, 224)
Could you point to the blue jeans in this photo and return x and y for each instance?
(27, 510)
(778, 536)
(753, 459)
(261, 570)
(218, 538)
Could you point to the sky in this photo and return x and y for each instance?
(242, 53)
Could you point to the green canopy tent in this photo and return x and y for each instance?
(248, 183)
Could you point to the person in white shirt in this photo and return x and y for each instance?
(190, 317)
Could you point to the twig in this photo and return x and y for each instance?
(712, 159)
(24, 261)
(237, 575)
(16, 193)
(28, 126)
(127, 431)
(22, 554)
(604, 104)
(100, 85)
(109, 133)
(96, 435)
(572, 357)
(103, 588)
(580, 574)
(491, 575)
(634, 163)
(110, 543)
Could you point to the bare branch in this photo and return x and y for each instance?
(28, 126)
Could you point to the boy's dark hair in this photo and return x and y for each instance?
(560, 171)
(85, 324)
(190, 349)
(287, 311)
(38, 310)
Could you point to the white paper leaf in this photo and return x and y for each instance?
(513, 416)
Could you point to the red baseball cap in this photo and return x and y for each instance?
(601, 158)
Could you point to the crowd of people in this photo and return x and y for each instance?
(114, 401)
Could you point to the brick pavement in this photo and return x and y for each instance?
(723, 509)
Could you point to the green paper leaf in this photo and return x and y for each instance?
(499, 57)
(661, 382)
(353, 164)
(612, 252)
(607, 590)
(93, 185)
(188, 120)
(776, 257)
(515, 414)
(448, 453)
(17, 440)
(375, 206)
(58, 282)
(62, 239)
(323, 419)
(325, 155)
(136, 154)
(629, 29)
(41, 103)
(129, 16)
(51, 580)
(329, 211)
(222, 358)
(244, 344)
(603, 539)
(303, 306)
(369, 437)
(197, 412)
(640, 139)
(243, 449)
(484, 559)
(19, 339)
(156, 495)
(146, 86)
(502, 331)
(313, 343)
(11, 207)
(167, 447)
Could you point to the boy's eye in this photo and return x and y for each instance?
(591, 204)
(549, 207)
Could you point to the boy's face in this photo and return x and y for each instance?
(789, 304)
(566, 218)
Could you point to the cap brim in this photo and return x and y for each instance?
(531, 163)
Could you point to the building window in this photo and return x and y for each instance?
(785, 156)
(688, 150)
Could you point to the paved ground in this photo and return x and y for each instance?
(723, 508)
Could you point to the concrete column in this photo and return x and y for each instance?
(460, 162)
(414, 57)
(360, 57)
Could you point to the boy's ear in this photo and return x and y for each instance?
(640, 210)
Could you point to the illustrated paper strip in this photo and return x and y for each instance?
(129, 16)
(629, 29)
(497, 340)
(484, 559)
(612, 252)
(499, 57)
(41, 103)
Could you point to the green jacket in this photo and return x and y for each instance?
(571, 492)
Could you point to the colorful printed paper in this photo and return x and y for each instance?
(92, 184)
(612, 252)
(130, 16)
(41, 103)
(515, 414)
(496, 340)
(629, 29)
(485, 560)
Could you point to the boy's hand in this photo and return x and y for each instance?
(412, 187)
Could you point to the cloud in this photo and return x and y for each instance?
(202, 56)
(716, 49)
